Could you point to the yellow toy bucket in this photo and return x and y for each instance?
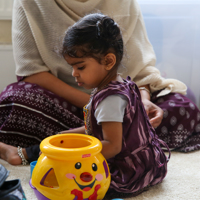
(70, 167)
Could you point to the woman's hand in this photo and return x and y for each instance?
(154, 112)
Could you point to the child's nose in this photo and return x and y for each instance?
(74, 73)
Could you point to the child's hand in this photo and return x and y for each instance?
(74, 130)
(63, 132)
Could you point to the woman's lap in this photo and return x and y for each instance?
(30, 113)
(180, 127)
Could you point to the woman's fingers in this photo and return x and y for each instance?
(154, 113)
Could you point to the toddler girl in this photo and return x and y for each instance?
(115, 115)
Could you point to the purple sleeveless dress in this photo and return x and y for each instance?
(141, 162)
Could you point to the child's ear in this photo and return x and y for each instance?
(110, 60)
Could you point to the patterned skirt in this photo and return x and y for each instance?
(180, 127)
(30, 113)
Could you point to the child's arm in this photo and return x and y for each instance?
(112, 134)
(75, 130)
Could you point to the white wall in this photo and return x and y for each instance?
(7, 66)
(173, 28)
(6, 9)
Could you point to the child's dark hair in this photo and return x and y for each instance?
(95, 35)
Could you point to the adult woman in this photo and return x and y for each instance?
(46, 98)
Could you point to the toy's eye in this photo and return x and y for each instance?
(78, 165)
(94, 167)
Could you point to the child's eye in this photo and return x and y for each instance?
(81, 68)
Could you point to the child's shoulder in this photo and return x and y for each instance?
(117, 87)
(122, 89)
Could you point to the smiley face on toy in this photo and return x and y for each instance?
(87, 177)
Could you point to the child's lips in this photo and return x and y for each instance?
(80, 83)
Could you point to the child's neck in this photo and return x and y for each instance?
(105, 82)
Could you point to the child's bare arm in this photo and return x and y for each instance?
(75, 130)
(112, 143)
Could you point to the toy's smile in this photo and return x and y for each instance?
(85, 187)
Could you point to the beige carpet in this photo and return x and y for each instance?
(181, 183)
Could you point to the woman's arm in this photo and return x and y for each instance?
(112, 143)
(55, 85)
(30, 59)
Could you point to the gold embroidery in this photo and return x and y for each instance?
(85, 113)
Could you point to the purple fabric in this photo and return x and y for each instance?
(37, 193)
(20, 78)
(44, 177)
(105, 168)
(180, 127)
(141, 161)
(30, 113)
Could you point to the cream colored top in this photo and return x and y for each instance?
(39, 27)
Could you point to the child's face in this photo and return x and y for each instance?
(88, 72)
